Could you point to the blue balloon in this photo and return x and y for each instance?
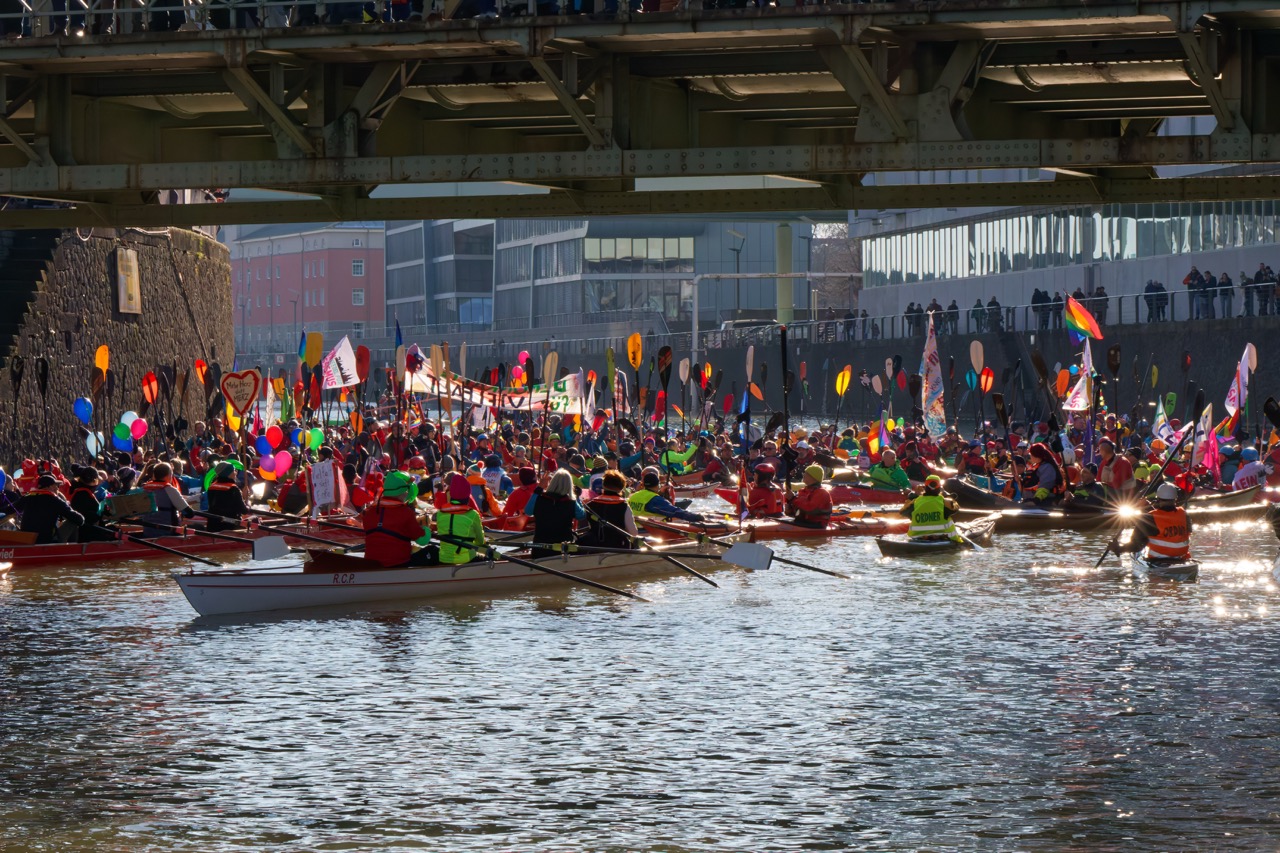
(3, 478)
(125, 444)
(263, 446)
(1074, 370)
(298, 437)
(83, 407)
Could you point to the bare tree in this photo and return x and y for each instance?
(835, 252)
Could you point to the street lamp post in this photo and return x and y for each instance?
(737, 271)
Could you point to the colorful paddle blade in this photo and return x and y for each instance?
(635, 350)
(102, 359)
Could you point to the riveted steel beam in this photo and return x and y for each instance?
(271, 114)
(569, 103)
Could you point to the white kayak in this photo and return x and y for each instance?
(1180, 569)
(336, 579)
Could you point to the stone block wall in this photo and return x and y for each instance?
(186, 314)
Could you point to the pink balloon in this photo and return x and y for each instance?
(517, 371)
(523, 356)
(284, 461)
(275, 436)
(267, 463)
(138, 428)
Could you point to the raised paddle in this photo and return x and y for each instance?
(1272, 410)
(1113, 365)
(550, 368)
(17, 367)
(664, 377)
(1173, 454)
(842, 385)
(684, 392)
(42, 383)
(976, 356)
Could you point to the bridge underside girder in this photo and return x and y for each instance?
(589, 111)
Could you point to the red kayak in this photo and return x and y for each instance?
(840, 494)
(772, 528)
(193, 542)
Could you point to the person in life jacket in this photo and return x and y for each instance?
(888, 474)
(610, 521)
(495, 478)
(226, 501)
(647, 502)
(84, 500)
(170, 506)
(1088, 493)
(1044, 482)
(1251, 471)
(764, 498)
(481, 493)
(43, 509)
(812, 504)
(556, 513)
(931, 512)
(1165, 530)
(521, 494)
(458, 525)
(391, 525)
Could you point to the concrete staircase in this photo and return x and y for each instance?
(25, 261)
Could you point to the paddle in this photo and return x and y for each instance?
(684, 391)
(1272, 410)
(1173, 454)
(295, 535)
(42, 383)
(550, 367)
(17, 367)
(493, 555)
(842, 385)
(147, 542)
(644, 546)
(1113, 365)
(664, 377)
(1185, 364)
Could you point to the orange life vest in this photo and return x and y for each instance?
(1172, 537)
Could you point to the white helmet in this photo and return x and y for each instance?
(1167, 492)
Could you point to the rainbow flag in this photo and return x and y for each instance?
(1080, 322)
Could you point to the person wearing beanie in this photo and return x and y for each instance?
(611, 523)
(519, 499)
(391, 525)
(764, 498)
(458, 525)
(226, 501)
(812, 504)
(646, 501)
(931, 512)
(1164, 530)
(43, 509)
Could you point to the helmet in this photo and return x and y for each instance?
(766, 468)
(416, 463)
(1249, 454)
(1167, 492)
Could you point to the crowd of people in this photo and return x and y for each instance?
(590, 484)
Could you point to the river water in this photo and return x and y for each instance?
(994, 701)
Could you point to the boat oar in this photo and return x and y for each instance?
(297, 519)
(572, 548)
(492, 554)
(1272, 410)
(197, 531)
(175, 552)
(784, 560)
(1173, 454)
(645, 546)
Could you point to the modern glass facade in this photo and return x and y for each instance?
(1048, 239)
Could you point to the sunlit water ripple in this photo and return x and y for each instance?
(1002, 700)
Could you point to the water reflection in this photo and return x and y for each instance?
(1010, 699)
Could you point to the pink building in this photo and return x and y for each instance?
(287, 279)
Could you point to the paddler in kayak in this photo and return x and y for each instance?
(764, 498)
(888, 474)
(812, 504)
(646, 501)
(1164, 530)
(931, 512)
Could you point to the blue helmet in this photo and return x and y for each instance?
(1249, 454)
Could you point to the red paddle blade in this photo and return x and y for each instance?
(150, 387)
(362, 362)
(728, 405)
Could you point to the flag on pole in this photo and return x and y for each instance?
(935, 413)
(1078, 399)
(1239, 392)
(340, 366)
(1080, 322)
(1161, 428)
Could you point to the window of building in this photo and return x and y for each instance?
(357, 268)
(258, 274)
(357, 296)
(277, 270)
(356, 243)
(322, 269)
(357, 330)
(306, 299)
(306, 270)
(322, 296)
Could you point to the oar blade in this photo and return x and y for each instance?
(748, 555)
(270, 548)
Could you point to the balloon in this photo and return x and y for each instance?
(121, 432)
(275, 436)
(297, 437)
(138, 429)
(93, 441)
(128, 418)
(890, 424)
(316, 437)
(265, 474)
(83, 407)
(1073, 369)
(4, 478)
(517, 371)
(263, 445)
(121, 443)
(267, 463)
(284, 461)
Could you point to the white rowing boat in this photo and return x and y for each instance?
(339, 580)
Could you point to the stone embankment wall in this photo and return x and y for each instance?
(186, 313)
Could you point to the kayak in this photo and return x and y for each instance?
(903, 546)
(695, 490)
(192, 542)
(1037, 520)
(868, 525)
(840, 494)
(1179, 569)
(1244, 497)
(676, 530)
(969, 494)
(337, 580)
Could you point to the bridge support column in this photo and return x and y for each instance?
(785, 286)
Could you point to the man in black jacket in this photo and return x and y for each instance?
(44, 508)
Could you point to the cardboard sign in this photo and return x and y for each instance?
(241, 389)
(324, 485)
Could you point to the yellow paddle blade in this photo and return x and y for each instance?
(315, 348)
(841, 453)
(102, 358)
(635, 350)
(843, 378)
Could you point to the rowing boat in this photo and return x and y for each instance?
(840, 494)
(902, 546)
(192, 542)
(1179, 569)
(335, 580)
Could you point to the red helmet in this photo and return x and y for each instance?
(417, 462)
(766, 468)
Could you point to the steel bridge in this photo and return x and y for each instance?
(595, 113)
